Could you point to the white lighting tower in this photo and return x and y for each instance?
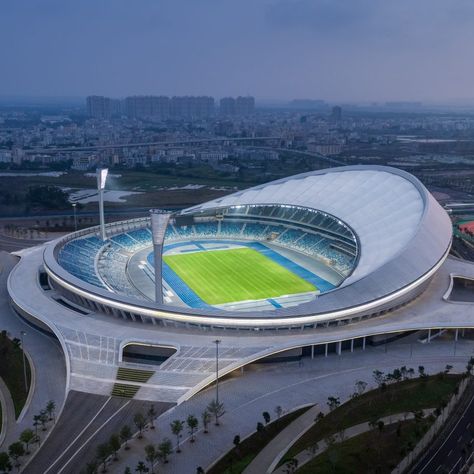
(159, 222)
(101, 178)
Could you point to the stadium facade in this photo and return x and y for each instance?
(370, 238)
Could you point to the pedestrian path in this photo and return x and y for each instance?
(8, 411)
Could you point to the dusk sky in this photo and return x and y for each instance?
(337, 50)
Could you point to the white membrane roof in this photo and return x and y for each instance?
(382, 206)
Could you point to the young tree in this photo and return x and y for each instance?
(126, 435)
(206, 419)
(43, 419)
(291, 465)
(127, 471)
(114, 443)
(266, 417)
(36, 423)
(103, 452)
(360, 387)
(27, 437)
(91, 467)
(5, 464)
(141, 468)
(379, 377)
(421, 371)
(50, 409)
(151, 455)
(192, 423)
(216, 409)
(447, 369)
(151, 413)
(176, 428)
(16, 451)
(140, 422)
(164, 450)
(237, 443)
(260, 427)
(278, 411)
(333, 403)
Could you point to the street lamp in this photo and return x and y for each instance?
(217, 342)
(74, 204)
(101, 178)
(23, 333)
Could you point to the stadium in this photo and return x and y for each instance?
(313, 250)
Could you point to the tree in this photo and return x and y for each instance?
(36, 423)
(260, 427)
(50, 409)
(421, 371)
(333, 403)
(380, 425)
(447, 369)
(151, 413)
(291, 465)
(312, 449)
(16, 451)
(360, 387)
(164, 450)
(278, 411)
(216, 409)
(103, 452)
(141, 468)
(114, 443)
(91, 467)
(27, 437)
(5, 464)
(206, 419)
(176, 428)
(237, 443)
(43, 419)
(140, 423)
(266, 417)
(151, 455)
(379, 377)
(127, 471)
(192, 423)
(126, 435)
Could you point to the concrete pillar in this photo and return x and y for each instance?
(429, 336)
(312, 352)
(339, 347)
(352, 345)
(326, 350)
(456, 334)
(363, 343)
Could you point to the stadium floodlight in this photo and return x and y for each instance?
(159, 222)
(101, 178)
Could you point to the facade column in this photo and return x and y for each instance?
(363, 343)
(339, 347)
(326, 350)
(456, 334)
(352, 345)
(312, 352)
(429, 336)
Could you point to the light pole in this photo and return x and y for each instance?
(74, 204)
(101, 178)
(23, 333)
(217, 342)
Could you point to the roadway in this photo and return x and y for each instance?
(86, 421)
(450, 450)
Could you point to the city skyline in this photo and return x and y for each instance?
(273, 50)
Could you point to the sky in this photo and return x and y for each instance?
(335, 50)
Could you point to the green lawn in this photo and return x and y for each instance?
(225, 276)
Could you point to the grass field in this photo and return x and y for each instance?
(226, 276)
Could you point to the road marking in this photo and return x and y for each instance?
(92, 436)
(78, 436)
(438, 468)
(468, 425)
(447, 437)
(449, 454)
(454, 467)
(460, 438)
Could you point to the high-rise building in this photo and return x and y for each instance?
(336, 113)
(244, 106)
(190, 107)
(99, 107)
(141, 106)
(241, 106)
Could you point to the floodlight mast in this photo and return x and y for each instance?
(101, 178)
(159, 222)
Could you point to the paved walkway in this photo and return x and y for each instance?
(288, 385)
(8, 411)
(305, 456)
(46, 354)
(269, 454)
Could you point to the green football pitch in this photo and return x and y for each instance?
(225, 276)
